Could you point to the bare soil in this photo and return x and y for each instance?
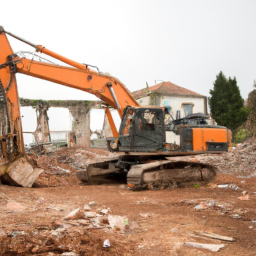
(160, 221)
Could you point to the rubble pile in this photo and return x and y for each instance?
(82, 232)
(240, 161)
(60, 168)
(43, 240)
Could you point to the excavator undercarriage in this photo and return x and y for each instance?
(144, 172)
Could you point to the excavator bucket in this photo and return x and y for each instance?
(19, 173)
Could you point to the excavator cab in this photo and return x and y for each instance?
(149, 129)
(141, 130)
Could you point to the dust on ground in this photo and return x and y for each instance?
(157, 222)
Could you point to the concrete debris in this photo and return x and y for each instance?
(201, 206)
(87, 207)
(84, 222)
(69, 254)
(232, 186)
(104, 211)
(74, 215)
(240, 162)
(223, 186)
(145, 215)
(57, 224)
(211, 247)
(244, 193)
(205, 204)
(20, 172)
(106, 243)
(236, 216)
(90, 214)
(61, 169)
(241, 211)
(118, 223)
(221, 207)
(92, 203)
(13, 206)
(244, 197)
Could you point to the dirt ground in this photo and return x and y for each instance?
(160, 222)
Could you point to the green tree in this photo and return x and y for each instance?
(226, 103)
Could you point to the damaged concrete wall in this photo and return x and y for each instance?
(42, 132)
(107, 132)
(80, 111)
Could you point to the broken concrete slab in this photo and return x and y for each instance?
(90, 214)
(87, 207)
(92, 203)
(104, 211)
(20, 173)
(74, 215)
(13, 206)
(211, 247)
(244, 197)
(84, 222)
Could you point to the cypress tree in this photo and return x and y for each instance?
(226, 103)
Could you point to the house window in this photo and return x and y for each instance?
(188, 108)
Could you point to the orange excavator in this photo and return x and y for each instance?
(148, 135)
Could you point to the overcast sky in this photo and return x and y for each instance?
(185, 42)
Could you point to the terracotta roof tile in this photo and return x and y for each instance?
(165, 88)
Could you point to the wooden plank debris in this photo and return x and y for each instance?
(215, 236)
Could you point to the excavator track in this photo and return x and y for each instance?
(157, 174)
(168, 174)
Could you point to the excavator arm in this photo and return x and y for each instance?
(107, 88)
(78, 76)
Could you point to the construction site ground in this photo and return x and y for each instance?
(157, 222)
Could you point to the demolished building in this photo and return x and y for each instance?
(80, 111)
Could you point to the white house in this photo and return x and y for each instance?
(174, 96)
